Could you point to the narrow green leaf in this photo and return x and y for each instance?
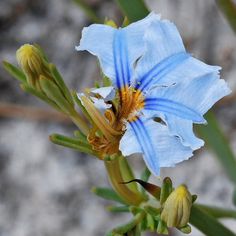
(134, 9)
(234, 196)
(40, 95)
(88, 10)
(71, 143)
(228, 7)
(14, 71)
(136, 231)
(207, 223)
(130, 225)
(118, 209)
(135, 210)
(107, 193)
(61, 84)
(78, 134)
(54, 93)
(218, 212)
(162, 228)
(150, 222)
(143, 224)
(152, 211)
(217, 141)
(166, 189)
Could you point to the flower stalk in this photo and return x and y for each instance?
(117, 179)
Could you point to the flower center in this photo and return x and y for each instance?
(131, 102)
(113, 125)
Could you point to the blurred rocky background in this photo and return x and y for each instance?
(44, 188)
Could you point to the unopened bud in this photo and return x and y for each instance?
(32, 62)
(177, 208)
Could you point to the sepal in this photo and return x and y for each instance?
(73, 143)
(107, 193)
(14, 71)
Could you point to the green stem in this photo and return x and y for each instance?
(88, 11)
(116, 178)
(130, 225)
(79, 122)
(217, 212)
(207, 223)
(228, 7)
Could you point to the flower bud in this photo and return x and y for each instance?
(177, 208)
(33, 63)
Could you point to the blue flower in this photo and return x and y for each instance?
(154, 77)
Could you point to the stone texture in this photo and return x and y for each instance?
(44, 188)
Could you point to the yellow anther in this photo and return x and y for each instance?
(99, 119)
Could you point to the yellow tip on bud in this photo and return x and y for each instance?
(110, 23)
(33, 64)
(177, 208)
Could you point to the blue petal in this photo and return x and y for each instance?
(98, 40)
(153, 139)
(143, 137)
(165, 60)
(107, 93)
(172, 107)
(116, 49)
(183, 129)
(198, 94)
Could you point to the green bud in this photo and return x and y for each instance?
(177, 208)
(33, 63)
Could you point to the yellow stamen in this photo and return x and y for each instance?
(99, 120)
(131, 102)
(112, 125)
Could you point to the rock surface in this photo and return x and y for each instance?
(44, 188)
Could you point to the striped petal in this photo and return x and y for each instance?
(168, 106)
(197, 95)
(116, 49)
(165, 60)
(154, 141)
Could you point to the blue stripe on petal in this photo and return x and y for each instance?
(116, 49)
(121, 59)
(172, 107)
(159, 142)
(163, 45)
(198, 94)
(145, 141)
(161, 69)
